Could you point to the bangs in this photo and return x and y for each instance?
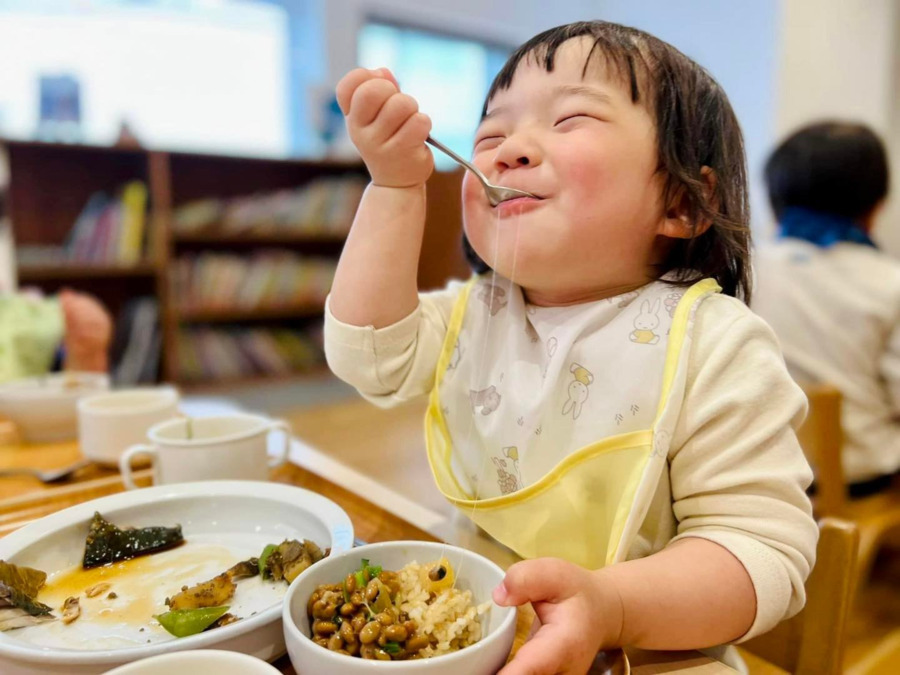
(620, 50)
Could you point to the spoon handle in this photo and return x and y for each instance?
(463, 162)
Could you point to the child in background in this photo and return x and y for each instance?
(596, 403)
(32, 329)
(832, 297)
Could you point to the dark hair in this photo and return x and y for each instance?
(695, 128)
(839, 168)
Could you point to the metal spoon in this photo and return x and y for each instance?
(495, 193)
(49, 476)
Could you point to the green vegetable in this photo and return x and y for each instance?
(344, 589)
(184, 622)
(264, 558)
(360, 580)
(392, 647)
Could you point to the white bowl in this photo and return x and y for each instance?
(44, 408)
(242, 516)
(197, 662)
(475, 573)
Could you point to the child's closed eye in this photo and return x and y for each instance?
(487, 142)
(572, 119)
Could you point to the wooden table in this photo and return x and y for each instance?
(24, 499)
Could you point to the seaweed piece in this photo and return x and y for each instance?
(18, 588)
(106, 543)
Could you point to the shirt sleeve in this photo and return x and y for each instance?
(396, 363)
(738, 474)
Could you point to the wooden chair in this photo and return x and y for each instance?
(812, 642)
(821, 438)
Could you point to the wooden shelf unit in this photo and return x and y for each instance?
(50, 184)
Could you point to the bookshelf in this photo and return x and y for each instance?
(50, 184)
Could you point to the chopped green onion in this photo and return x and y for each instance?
(392, 647)
(344, 589)
(360, 580)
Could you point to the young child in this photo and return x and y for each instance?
(33, 328)
(830, 295)
(596, 404)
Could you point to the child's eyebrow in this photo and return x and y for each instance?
(581, 90)
(559, 92)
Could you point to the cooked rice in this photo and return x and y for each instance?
(450, 618)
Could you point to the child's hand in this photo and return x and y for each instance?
(386, 127)
(579, 613)
(88, 332)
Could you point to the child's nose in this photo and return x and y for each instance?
(516, 152)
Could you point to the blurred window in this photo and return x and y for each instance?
(202, 75)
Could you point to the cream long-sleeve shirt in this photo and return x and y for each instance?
(735, 473)
(836, 312)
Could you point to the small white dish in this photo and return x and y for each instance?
(44, 409)
(474, 572)
(197, 662)
(240, 516)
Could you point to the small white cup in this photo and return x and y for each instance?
(221, 447)
(109, 423)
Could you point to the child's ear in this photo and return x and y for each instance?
(677, 222)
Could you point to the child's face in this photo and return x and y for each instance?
(590, 154)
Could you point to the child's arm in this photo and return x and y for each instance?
(375, 284)
(88, 331)
(691, 594)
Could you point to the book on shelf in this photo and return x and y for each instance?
(230, 353)
(322, 207)
(266, 279)
(108, 231)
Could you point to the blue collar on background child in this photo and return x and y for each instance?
(822, 229)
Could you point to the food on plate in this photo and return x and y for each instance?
(19, 588)
(106, 543)
(215, 592)
(288, 559)
(71, 610)
(413, 613)
(184, 622)
(203, 606)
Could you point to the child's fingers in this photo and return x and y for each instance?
(349, 84)
(412, 133)
(541, 655)
(540, 580)
(393, 115)
(390, 76)
(368, 100)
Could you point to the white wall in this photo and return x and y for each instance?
(841, 59)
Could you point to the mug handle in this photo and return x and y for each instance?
(280, 425)
(125, 462)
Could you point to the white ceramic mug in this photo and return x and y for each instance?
(108, 423)
(220, 447)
